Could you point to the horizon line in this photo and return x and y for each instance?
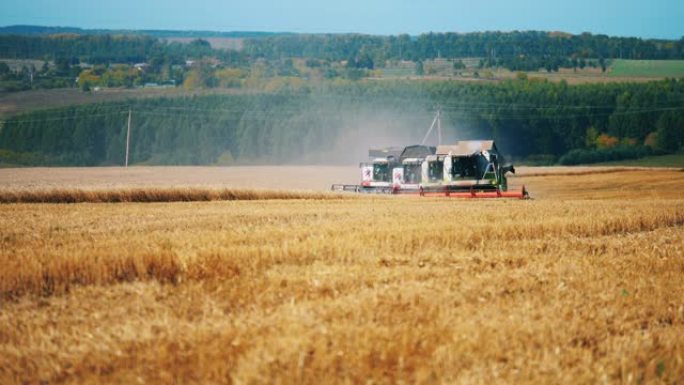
(301, 32)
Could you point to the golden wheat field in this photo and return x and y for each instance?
(582, 285)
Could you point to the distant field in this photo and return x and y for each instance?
(620, 71)
(215, 42)
(588, 75)
(647, 68)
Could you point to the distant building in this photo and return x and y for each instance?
(167, 84)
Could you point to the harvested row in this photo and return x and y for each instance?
(154, 194)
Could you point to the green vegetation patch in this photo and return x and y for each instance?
(648, 68)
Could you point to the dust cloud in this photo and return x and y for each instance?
(357, 130)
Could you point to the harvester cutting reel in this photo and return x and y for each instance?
(474, 193)
(442, 191)
(362, 189)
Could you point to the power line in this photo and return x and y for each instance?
(458, 106)
(244, 114)
(59, 119)
(310, 99)
(500, 113)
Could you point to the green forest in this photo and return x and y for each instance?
(135, 59)
(535, 121)
(497, 48)
(106, 49)
(526, 50)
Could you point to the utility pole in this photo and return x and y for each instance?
(128, 136)
(437, 120)
(439, 126)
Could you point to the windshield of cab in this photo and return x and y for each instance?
(464, 167)
(381, 172)
(412, 173)
(435, 171)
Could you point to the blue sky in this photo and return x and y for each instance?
(654, 18)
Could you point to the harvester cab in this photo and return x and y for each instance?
(483, 170)
(473, 170)
(377, 174)
(411, 171)
(408, 175)
(472, 165)
(432, 171)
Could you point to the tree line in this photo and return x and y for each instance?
(37, 30)
(526, 50)
(530, 120)
(517, 50)
(106, 49)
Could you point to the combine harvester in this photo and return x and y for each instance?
(468, 169)
(465, 169)
(390, 170)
